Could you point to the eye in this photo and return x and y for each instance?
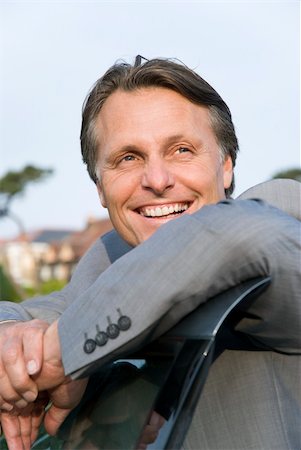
(128, 158)
(181, 150)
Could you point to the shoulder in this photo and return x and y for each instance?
(114, 245)
(284, 194)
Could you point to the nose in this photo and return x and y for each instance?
(157, 177)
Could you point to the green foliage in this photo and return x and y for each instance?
(52, 285)
(293, 174)
(45, 288)
(3, 445)
(8, 291)
(13, 183)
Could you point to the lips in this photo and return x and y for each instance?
(163, 210)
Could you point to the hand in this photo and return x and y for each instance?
(151, 431)
(64, 398)
(21, 427)
(52, 371)
(21, 355)
(21, 424)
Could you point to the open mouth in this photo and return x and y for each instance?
(164, 210)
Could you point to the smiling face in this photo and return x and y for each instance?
(158, 159)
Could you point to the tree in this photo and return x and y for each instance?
(294, 174)
(13, 183)
(8, 290)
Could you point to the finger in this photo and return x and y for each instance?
(33, 347)
(35, 428)
(156, 420)
(38, 414)
(12, 398)
(25, 424)
(54, 418)
(141, 446)
(6, 406)
(9, 395)
(149, 434)
(151, 430)
(64, 398)
(21, 427)
(13, 362)
(11, 429)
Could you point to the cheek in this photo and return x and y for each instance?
(203, 175)
(205, 179)
(116, 190)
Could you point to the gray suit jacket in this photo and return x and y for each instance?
(251, 399)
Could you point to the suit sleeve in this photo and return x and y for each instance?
(50, 307)
(185, 263)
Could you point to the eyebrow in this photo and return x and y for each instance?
(135, 148)
(174, 138)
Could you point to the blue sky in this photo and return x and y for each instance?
(53, 51)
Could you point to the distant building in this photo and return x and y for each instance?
(49, 254)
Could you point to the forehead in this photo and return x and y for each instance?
(148, 112)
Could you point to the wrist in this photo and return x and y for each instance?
(52, 348)
(52, 373)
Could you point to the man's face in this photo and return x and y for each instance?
(157, 159)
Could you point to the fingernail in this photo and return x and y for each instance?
(31, 367)
(7, 406)
(21, 404)
(29, 396)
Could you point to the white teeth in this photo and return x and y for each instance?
(164, 211)
(158, 211)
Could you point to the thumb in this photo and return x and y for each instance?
(54, 418)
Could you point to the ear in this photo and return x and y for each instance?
(101, 194)
(228, 172)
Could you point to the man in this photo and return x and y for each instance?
(159, 143)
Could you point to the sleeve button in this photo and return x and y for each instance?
(101, 338)
(89, 346)
(112, 331)
(124, 323)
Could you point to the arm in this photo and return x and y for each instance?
(21, 341)
(186, 262)
(21, 344)
(217, 248)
